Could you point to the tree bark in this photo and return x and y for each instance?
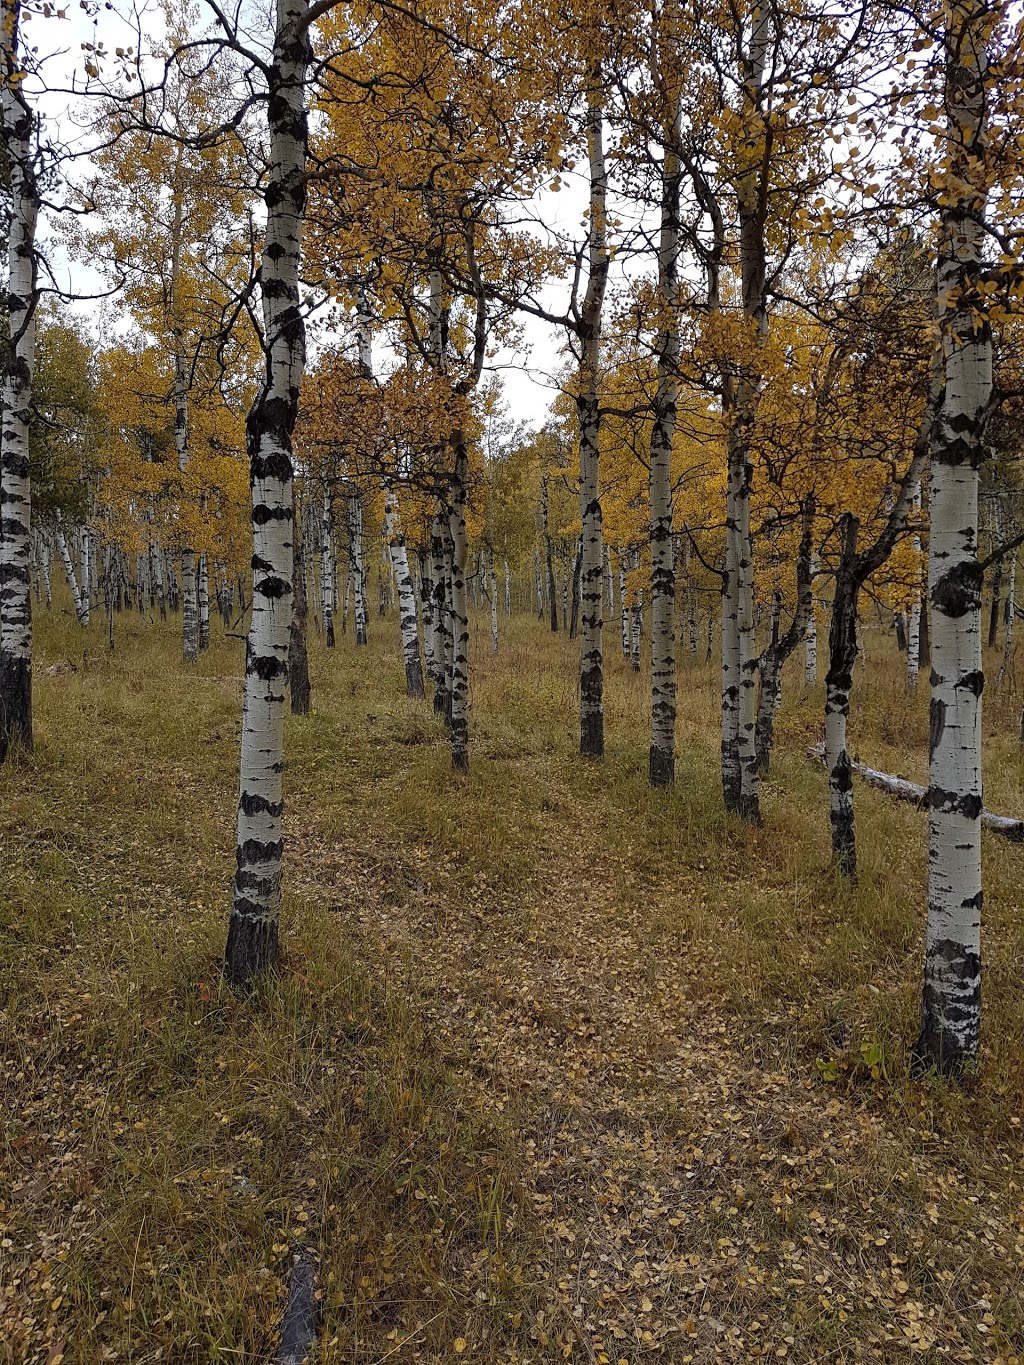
(662, 756)
(589, 412)
(298, 658)
(460, 615)
(252, 942)
(951, 1000)
(408, 623)
(842, 650)
(19, 129)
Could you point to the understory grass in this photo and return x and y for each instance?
(557, 1067)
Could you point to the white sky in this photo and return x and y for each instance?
(58, 90)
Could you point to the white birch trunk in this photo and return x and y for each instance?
(407, 614)
(459, 614)
(81, 611)
(494, 607)
(327, 571)
(357, 564)
(951, 1003)
(253, 933)
(624, 611)
(19, 129)
(47, 592)
(661, 758)
(811, 637)
(440, 623)
(203, 601)
(914, 615)
(1011, 611)
(589, 412)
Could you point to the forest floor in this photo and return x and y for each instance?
(558, 1067)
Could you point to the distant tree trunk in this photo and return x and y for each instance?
(842, 645)
(900, 623)
(781, 646)
(81, 610)
(45, 562)
(358, 565)
(993, 615)
(406, 597)
(203, 598)
(624, 608)
(19, 127)
(548, 553)
(1011, 611)
(914, 615)
(439, 541)
(460, 614)
(252, 941)
(574, 619)
(428, 617)
(540, 584)
(327, 571)
(298, 659)
(811, 637)
(662, 754)
(637, 630)
(588, 410)
(189, 590)
(494, 606)
(951, 1000)
(508, 590)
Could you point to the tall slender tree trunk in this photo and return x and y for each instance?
(549, 564)
(358, 565)
(811, 634)
(442, 623)
(624, 607)
(253, 931)
(460, 615)
(842, 644)
(1011, 611)
(81, 611)
(914, 615)
(298, 657)
(997, 583)
(19, 128)
(589, 412)
(327, 571)
(951, 1001)
(494, 606)
(540, 584)
(662, 757)
(574, 617)
(47, 590)
(407, 615)
(203, 601)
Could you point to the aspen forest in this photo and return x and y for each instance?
(511, 699)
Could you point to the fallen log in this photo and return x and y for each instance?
(302, 1316)
(905, 790)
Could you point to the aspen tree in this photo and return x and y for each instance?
(589, 414)
(253, 930)
(408, 618)
(661, 766)
(19, 130)
(951, 1003)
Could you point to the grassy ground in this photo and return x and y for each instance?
(559, 1068)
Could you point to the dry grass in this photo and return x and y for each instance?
(559, 1068)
